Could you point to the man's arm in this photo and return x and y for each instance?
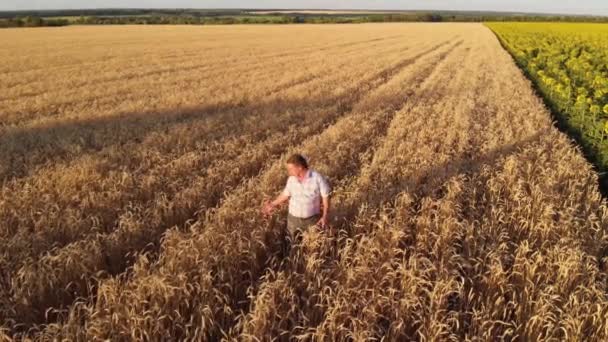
(269, 207)
(325, 189)
(282, 198)
(325, 217)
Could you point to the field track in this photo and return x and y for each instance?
(134, 161)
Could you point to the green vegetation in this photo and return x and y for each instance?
(32, 21)
(568, 63)
(223, 17)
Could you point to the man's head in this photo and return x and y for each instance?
(297, 165)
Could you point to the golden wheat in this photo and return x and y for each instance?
(133, 162)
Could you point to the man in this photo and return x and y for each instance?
(305, 190)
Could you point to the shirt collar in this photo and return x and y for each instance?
(306, 176)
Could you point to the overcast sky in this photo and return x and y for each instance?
(597, 7)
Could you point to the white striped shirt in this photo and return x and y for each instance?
(305, 196)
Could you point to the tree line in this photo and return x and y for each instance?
(32, 21)
(192, 17)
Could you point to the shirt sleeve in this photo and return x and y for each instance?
(286, 191)
(324, 186)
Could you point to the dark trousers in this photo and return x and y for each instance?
(296, 225)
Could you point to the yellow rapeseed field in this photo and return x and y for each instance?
(134, 161)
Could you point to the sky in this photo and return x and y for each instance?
(594, 7)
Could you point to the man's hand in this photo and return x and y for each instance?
(267, 208)
(322, 222)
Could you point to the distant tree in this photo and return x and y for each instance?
(31, 21)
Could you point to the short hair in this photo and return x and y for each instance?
(298, 159)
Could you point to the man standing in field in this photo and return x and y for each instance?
(306, 191)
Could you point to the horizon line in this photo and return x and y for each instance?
(308, 9)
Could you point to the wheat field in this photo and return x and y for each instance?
(134, 161)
